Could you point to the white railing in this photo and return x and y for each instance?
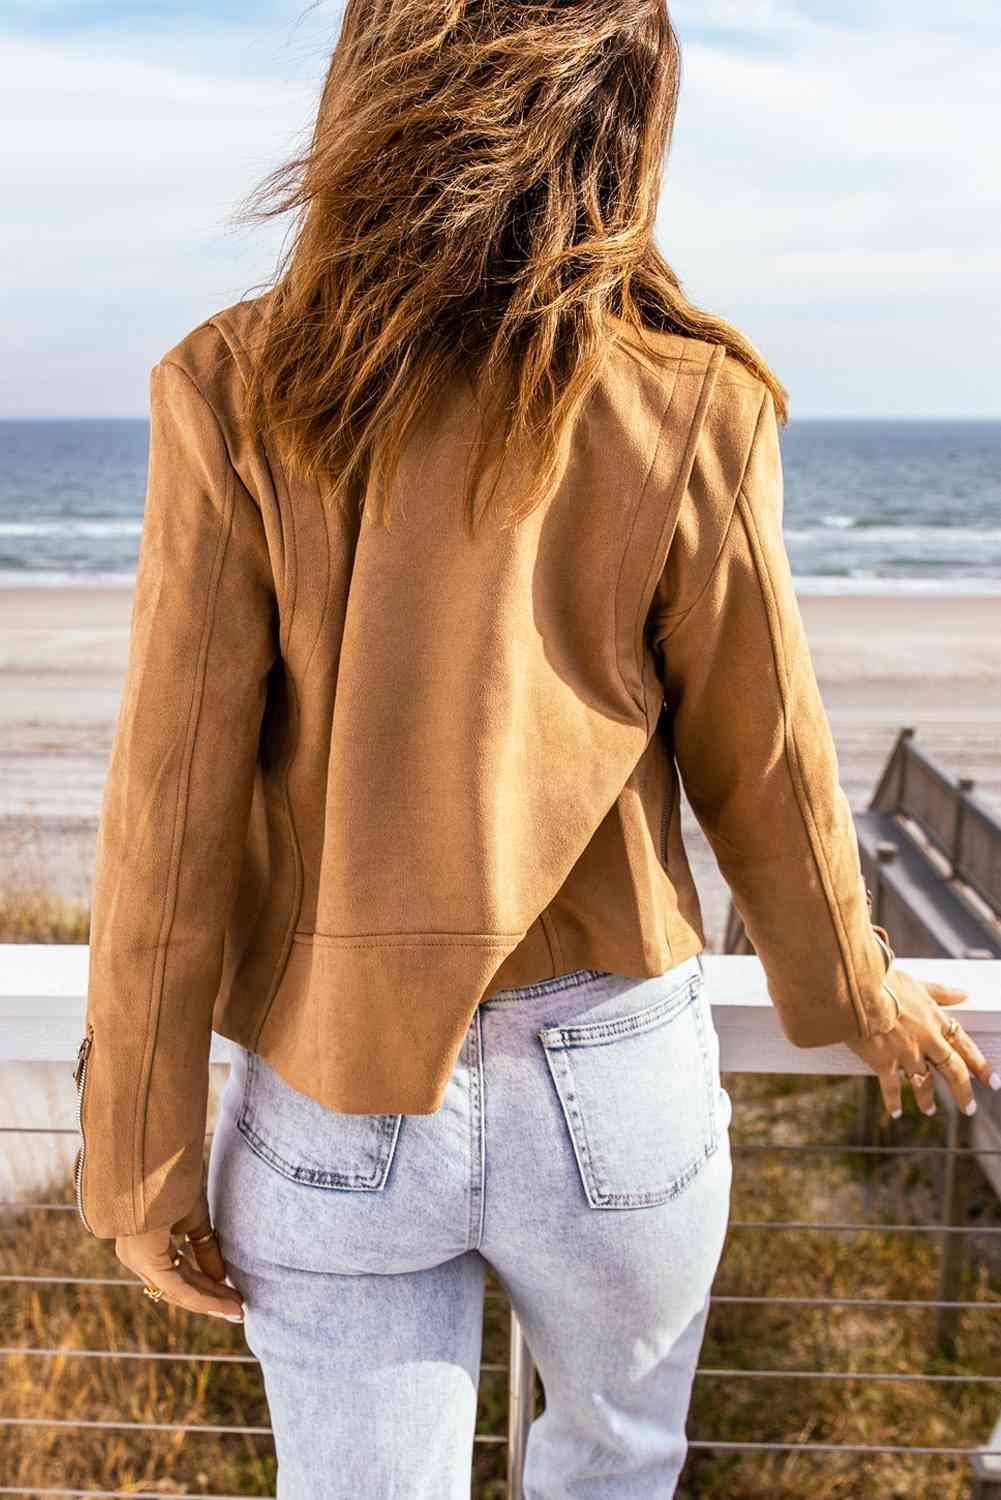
(42, 1002)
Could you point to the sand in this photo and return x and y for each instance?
(882, 661)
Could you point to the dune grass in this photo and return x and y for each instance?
(779, 1185)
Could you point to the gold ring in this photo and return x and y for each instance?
(920, 1077)
(951, 1027)
(199, 1239)
(154, 1292)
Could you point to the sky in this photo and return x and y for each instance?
(833, 188)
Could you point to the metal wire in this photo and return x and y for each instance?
(168, 1356)
(824, 1147)
(127, 1281)
(880, 1228)
(904, 1448)
(850, 1375)
(858, 1302)
(479, 1437)
(74, 1280)
(833, 1301)
(6, 1489)
(90, 1424)
(152, 1355)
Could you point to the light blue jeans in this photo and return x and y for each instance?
(582, 1151)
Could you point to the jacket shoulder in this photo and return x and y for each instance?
(214, 356)
(732, 395)
(737, 407)
(215, 352)
(657, 351)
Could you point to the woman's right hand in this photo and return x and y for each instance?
(917, 1045)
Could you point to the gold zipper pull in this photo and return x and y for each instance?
(81, 1058)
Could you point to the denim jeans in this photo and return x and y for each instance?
(582, 1151)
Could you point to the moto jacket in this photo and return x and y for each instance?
(362, 778)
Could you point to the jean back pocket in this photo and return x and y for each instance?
(639, 1093)
(309, 1143)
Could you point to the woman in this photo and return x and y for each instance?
(462, 545)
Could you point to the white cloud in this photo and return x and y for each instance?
(832, 184)
(844, 174)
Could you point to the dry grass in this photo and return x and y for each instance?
(787, 1263)
(182, 1391)
(31, 909)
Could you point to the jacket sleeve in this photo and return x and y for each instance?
(756, 756)
(173, 820)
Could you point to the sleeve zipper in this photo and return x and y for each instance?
(80, 1079)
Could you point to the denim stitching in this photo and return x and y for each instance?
(559, 1069)
(707, 1073)
(548, 986)
(389, 1131)
(477, 1083)
(594, 1033)
(557, 1055)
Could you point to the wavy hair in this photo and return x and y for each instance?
(478, 195)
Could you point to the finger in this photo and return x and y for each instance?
(889, 1087)
(198, 1220)
(957, 1076)
(159, 1268)
(945, 994)
(181, 1288)
(974, 1058)
(206, 1255)
(922, 1081)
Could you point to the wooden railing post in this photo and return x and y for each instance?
(965, 786)
(889, 788)
(955, 1195)
(906, 735)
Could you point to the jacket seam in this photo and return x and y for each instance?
(278, 478)
(791, 754)
(178, 829)
(709, 377)
(552, 940)
(411, 939)
(275, 468)
(290, 589)
(677, 617)
(634, 522)
(295, 902)
(181, 369)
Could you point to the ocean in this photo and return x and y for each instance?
(870, 506)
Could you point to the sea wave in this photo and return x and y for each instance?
(815, 583)
(866, 534)
(69, 526)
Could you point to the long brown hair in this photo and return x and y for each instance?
(478, 195)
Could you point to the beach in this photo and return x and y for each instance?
(883, 661)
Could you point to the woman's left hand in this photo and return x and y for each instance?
(196, 1281)
(922, 1039)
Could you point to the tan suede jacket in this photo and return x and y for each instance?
(362, 779)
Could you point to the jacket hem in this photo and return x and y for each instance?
(409, 939)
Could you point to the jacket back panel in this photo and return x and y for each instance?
(464, 779)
